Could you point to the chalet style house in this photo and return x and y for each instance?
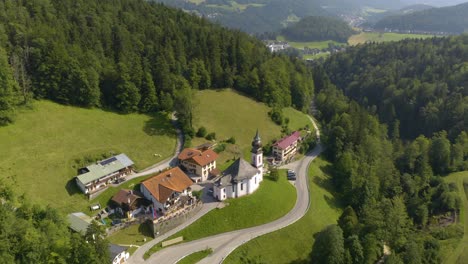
(198, 163)
(241, 178)
(97, 176)
(285, 148)
(167, 190)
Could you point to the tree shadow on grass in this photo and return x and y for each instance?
(327, 184)
(159, 125)
(145, 229)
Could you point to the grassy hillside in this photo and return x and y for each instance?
(294, 243)
(454, 250)
(228, 114)
(270, 202)
(364, 37)
(38, 151)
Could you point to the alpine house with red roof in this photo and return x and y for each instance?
(285, 148)
(167, 189)
(198, 163)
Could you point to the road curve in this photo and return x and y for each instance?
(223, 244)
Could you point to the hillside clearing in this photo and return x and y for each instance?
(456, 252)
(311, 44)
(293, 244)
(40, 148)
(230, 114)
(364, 37)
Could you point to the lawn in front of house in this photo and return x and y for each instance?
(270, 202)
(39, 150)
(134, 235)
(294, 243)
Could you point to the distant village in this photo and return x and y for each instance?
(168, 198)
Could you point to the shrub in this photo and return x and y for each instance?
(211, 136)
(197, 194)
(274, 174)
(220, 148)
(231, 140)
(201, 132)
(277, 116)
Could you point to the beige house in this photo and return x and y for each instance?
(167, 190)
(285, 148)
(198, 163)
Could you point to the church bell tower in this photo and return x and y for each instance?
(257, 152)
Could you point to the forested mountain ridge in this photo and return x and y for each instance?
(132, 55)
(450, 19)
(390, 182)
(316, 28)
(415, 86)
(256, 16)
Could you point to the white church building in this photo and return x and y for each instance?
(241, 178)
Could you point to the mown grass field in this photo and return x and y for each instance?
(195, 257)
(364, 37)
(230, 114)
(311, 44)
(294, 243)
(270, 202)
(38, 151)
(455, 251)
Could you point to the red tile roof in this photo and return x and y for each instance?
(163, 185)
(205, 157)
(288, 140)
(188, 153)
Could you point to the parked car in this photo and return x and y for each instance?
(291, 175)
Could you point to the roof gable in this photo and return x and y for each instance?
(124, 196)
(162, 186)
(205, 157)
(238, 171)
(288, 140)
(188, 153)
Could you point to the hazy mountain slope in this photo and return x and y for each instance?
(452, 19)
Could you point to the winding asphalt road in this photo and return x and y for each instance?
(223, 244)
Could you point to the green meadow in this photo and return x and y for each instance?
(293, 244)
(39, 151)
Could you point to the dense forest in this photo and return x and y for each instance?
(132, 55)
(33, 234)
(451, 19)
(415, 86)
(390, 182)
(316, 28)
(391, 188)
